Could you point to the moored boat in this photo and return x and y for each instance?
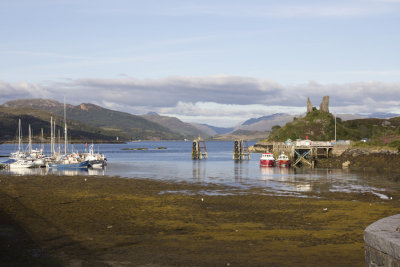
(66, 165)
(267, 160)
(21, 163)
(96, 160)
(283, 160)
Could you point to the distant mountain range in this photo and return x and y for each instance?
(265, 123)
(187, 130)
(87, 121)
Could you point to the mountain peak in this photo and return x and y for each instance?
(152, 113)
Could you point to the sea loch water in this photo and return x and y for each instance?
(174, 163)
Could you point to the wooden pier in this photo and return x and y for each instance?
(306, 155)
(302, 153)
(241, 150)
(199, 152)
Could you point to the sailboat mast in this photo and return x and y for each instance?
(30, 140)
(59, 142)
(41, 141)
(65, 129)
(51, 136)
(19, 135)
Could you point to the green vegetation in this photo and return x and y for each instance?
(39, 119)
(320, 126)
(317, 125)
(85, 121)
(98, 220)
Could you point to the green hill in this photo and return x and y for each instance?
(108, 122)
(40, 119)
(320, 126)
(317, 125)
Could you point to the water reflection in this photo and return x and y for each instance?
(267, 172)
(175, 164)
(199, 170)
(240, 170)
(52, 171)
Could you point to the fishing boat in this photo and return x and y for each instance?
(96, 160)
(267, 160)
(283, 160)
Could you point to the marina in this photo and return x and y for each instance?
(174, 163)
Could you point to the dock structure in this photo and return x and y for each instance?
(241, 150)
(306, 154)
(301, 153)
(199, 152)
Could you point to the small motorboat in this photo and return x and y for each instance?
(72, 165)
(267, 160)
(283, 160)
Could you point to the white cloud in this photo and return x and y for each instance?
(224, 99)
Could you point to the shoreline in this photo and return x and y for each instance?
(102, 220)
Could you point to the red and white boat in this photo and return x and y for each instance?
(267, 160)
(283, 160)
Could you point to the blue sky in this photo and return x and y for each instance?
(134, 48)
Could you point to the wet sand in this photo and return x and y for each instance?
(105, 221)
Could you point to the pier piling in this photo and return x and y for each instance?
(241, 150)
(197, 149)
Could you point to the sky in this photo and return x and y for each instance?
(217, 62)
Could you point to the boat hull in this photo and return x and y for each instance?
(267, 162)
(283, 163)
(21, 164)
(97, 164)
(80, 165)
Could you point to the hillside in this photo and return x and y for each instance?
(175, 125)
(109, 122)
(265, 123)
(40, 119)
(316, 125)
(320, 126)
(241, 134)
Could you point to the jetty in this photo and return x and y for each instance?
(301, 152)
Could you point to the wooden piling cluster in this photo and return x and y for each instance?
(197, 148)
(306, 155)
(241, 150)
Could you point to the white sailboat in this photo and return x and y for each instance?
(68, 161)
(18, 159)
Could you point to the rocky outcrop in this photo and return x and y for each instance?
(309, 105)
(324, 104)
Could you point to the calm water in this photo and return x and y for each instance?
(174, 163)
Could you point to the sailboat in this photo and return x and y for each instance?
(68, 161)
(36, 155)
(18, 159)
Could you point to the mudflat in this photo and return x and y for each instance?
(112, 221)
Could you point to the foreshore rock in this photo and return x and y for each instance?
(378, 159)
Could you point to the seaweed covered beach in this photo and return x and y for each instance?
(111, 221)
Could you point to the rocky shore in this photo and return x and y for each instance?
(105, 221)
(374, 159)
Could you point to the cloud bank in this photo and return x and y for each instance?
(220, 99)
